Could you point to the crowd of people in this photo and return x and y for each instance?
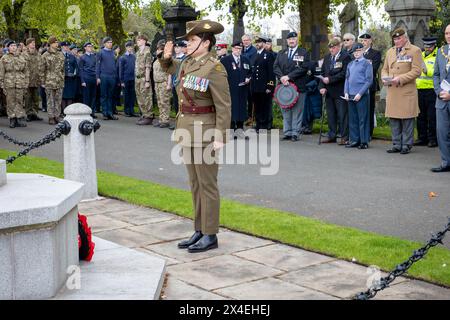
(347, 78)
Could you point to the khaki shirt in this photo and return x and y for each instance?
(217, 94)
(144, 60)
(14, 72)
(34, 62)
(53, 69)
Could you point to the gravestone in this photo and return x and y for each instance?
(349, 19)
(316, 39)
(283, 41)
(412, 15)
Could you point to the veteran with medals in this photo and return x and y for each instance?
(402, 66)
(204, 116)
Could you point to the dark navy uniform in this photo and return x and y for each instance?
(263, 79)
(70, 76)
(238, 69)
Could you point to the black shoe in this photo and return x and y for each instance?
(420, 142)
(156, 124)
(393, 150)
(29, 118)
(21, 122)
(405, 150)
(106, 118)
(163, 125)
(432, 144)
(294, 138)
(12, 122)
(353, 145)
(113, 117)
(192, 240)
(286, 138)
(93, 116)
(207, 242)
(363, 146)
(441, 169)
(172, 127)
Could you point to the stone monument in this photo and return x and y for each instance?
(413, 15)
(176, 18)
(349, 19)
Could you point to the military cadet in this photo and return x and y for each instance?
(402, 66)
(222, 49)
(79, 93)
(70, 76)
(127, 66)
(426, 121)
(14, 78)
(107, 78)
(88, 62)
(239, 76)
(53, 80)
(163, 88)
(262, 84)
(144, 62)
(180, 54)
(118, 86)
(34, 63)
(292, 66)
(374, 57)
(205, 105)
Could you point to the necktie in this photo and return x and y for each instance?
(290, 54)
(238, 62)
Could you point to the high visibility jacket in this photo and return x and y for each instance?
(425, 81)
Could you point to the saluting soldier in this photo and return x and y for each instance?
(143, 85)
(14, 78)
(53, 80)
(34, 62)
(205, 104)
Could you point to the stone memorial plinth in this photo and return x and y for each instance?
(38, 234)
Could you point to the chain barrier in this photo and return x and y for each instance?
(63, 128)
(400, 269)
(14, 141)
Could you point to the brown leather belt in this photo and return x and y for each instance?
(197, 109)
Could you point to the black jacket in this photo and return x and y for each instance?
(336, 74)
(297, 69)
(374, 56)
(262, 72)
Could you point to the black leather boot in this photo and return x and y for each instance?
(12, 122)
(192, 240)
(21, 122)
(207, 242)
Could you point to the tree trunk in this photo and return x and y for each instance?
(112, 14)
(13, 13)
(239, 9)
(314, 12)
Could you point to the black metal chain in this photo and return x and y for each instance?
(400, 269)
(14, 141)
(60, 129)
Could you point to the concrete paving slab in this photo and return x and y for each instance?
(117, 274)
(272, 289)
(104, 206)
(99, 223)
(168, 230)
(283, 257)
(140, 216)
(179, 290)
(221, 271)
(169, 261)
(128, 238)
(229, 242)
(414, 290)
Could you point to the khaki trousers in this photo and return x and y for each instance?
(15, 98)
(205, 191)
(144, 98)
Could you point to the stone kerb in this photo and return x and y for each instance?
(2, 172)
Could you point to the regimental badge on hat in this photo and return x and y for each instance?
(202, 26)
(398, 32)
(292, 34)
(365, 36)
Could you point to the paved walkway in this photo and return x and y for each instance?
(244, 267)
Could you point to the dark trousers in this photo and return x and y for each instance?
(43, 99)
(371, 111)
(107, 86)
(129, 96)
(358, 116)
(237, 125)
(117, 92)
(89, 93)
(262, 103)
(175, 99)
(426, 121)
(337, 111)
(250, 104)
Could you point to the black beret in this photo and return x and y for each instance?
(64, 43)
(106, 39)
(237, 44)
(87, 44)
(115, 47)
(365, 36)
(357, 46)
(10, 42)
(181, 43)
(292, 34)
(129, 44)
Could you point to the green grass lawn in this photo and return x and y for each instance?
(314, 235)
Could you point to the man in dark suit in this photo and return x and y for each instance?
(374, 57)
(292, 65)
(263, 84)
(249, 52)
(239, 76)
(332, 86)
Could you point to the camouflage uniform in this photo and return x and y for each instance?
(14, 77)
(53, 79)
(162, 93)
(143, 95)
(34, 62)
